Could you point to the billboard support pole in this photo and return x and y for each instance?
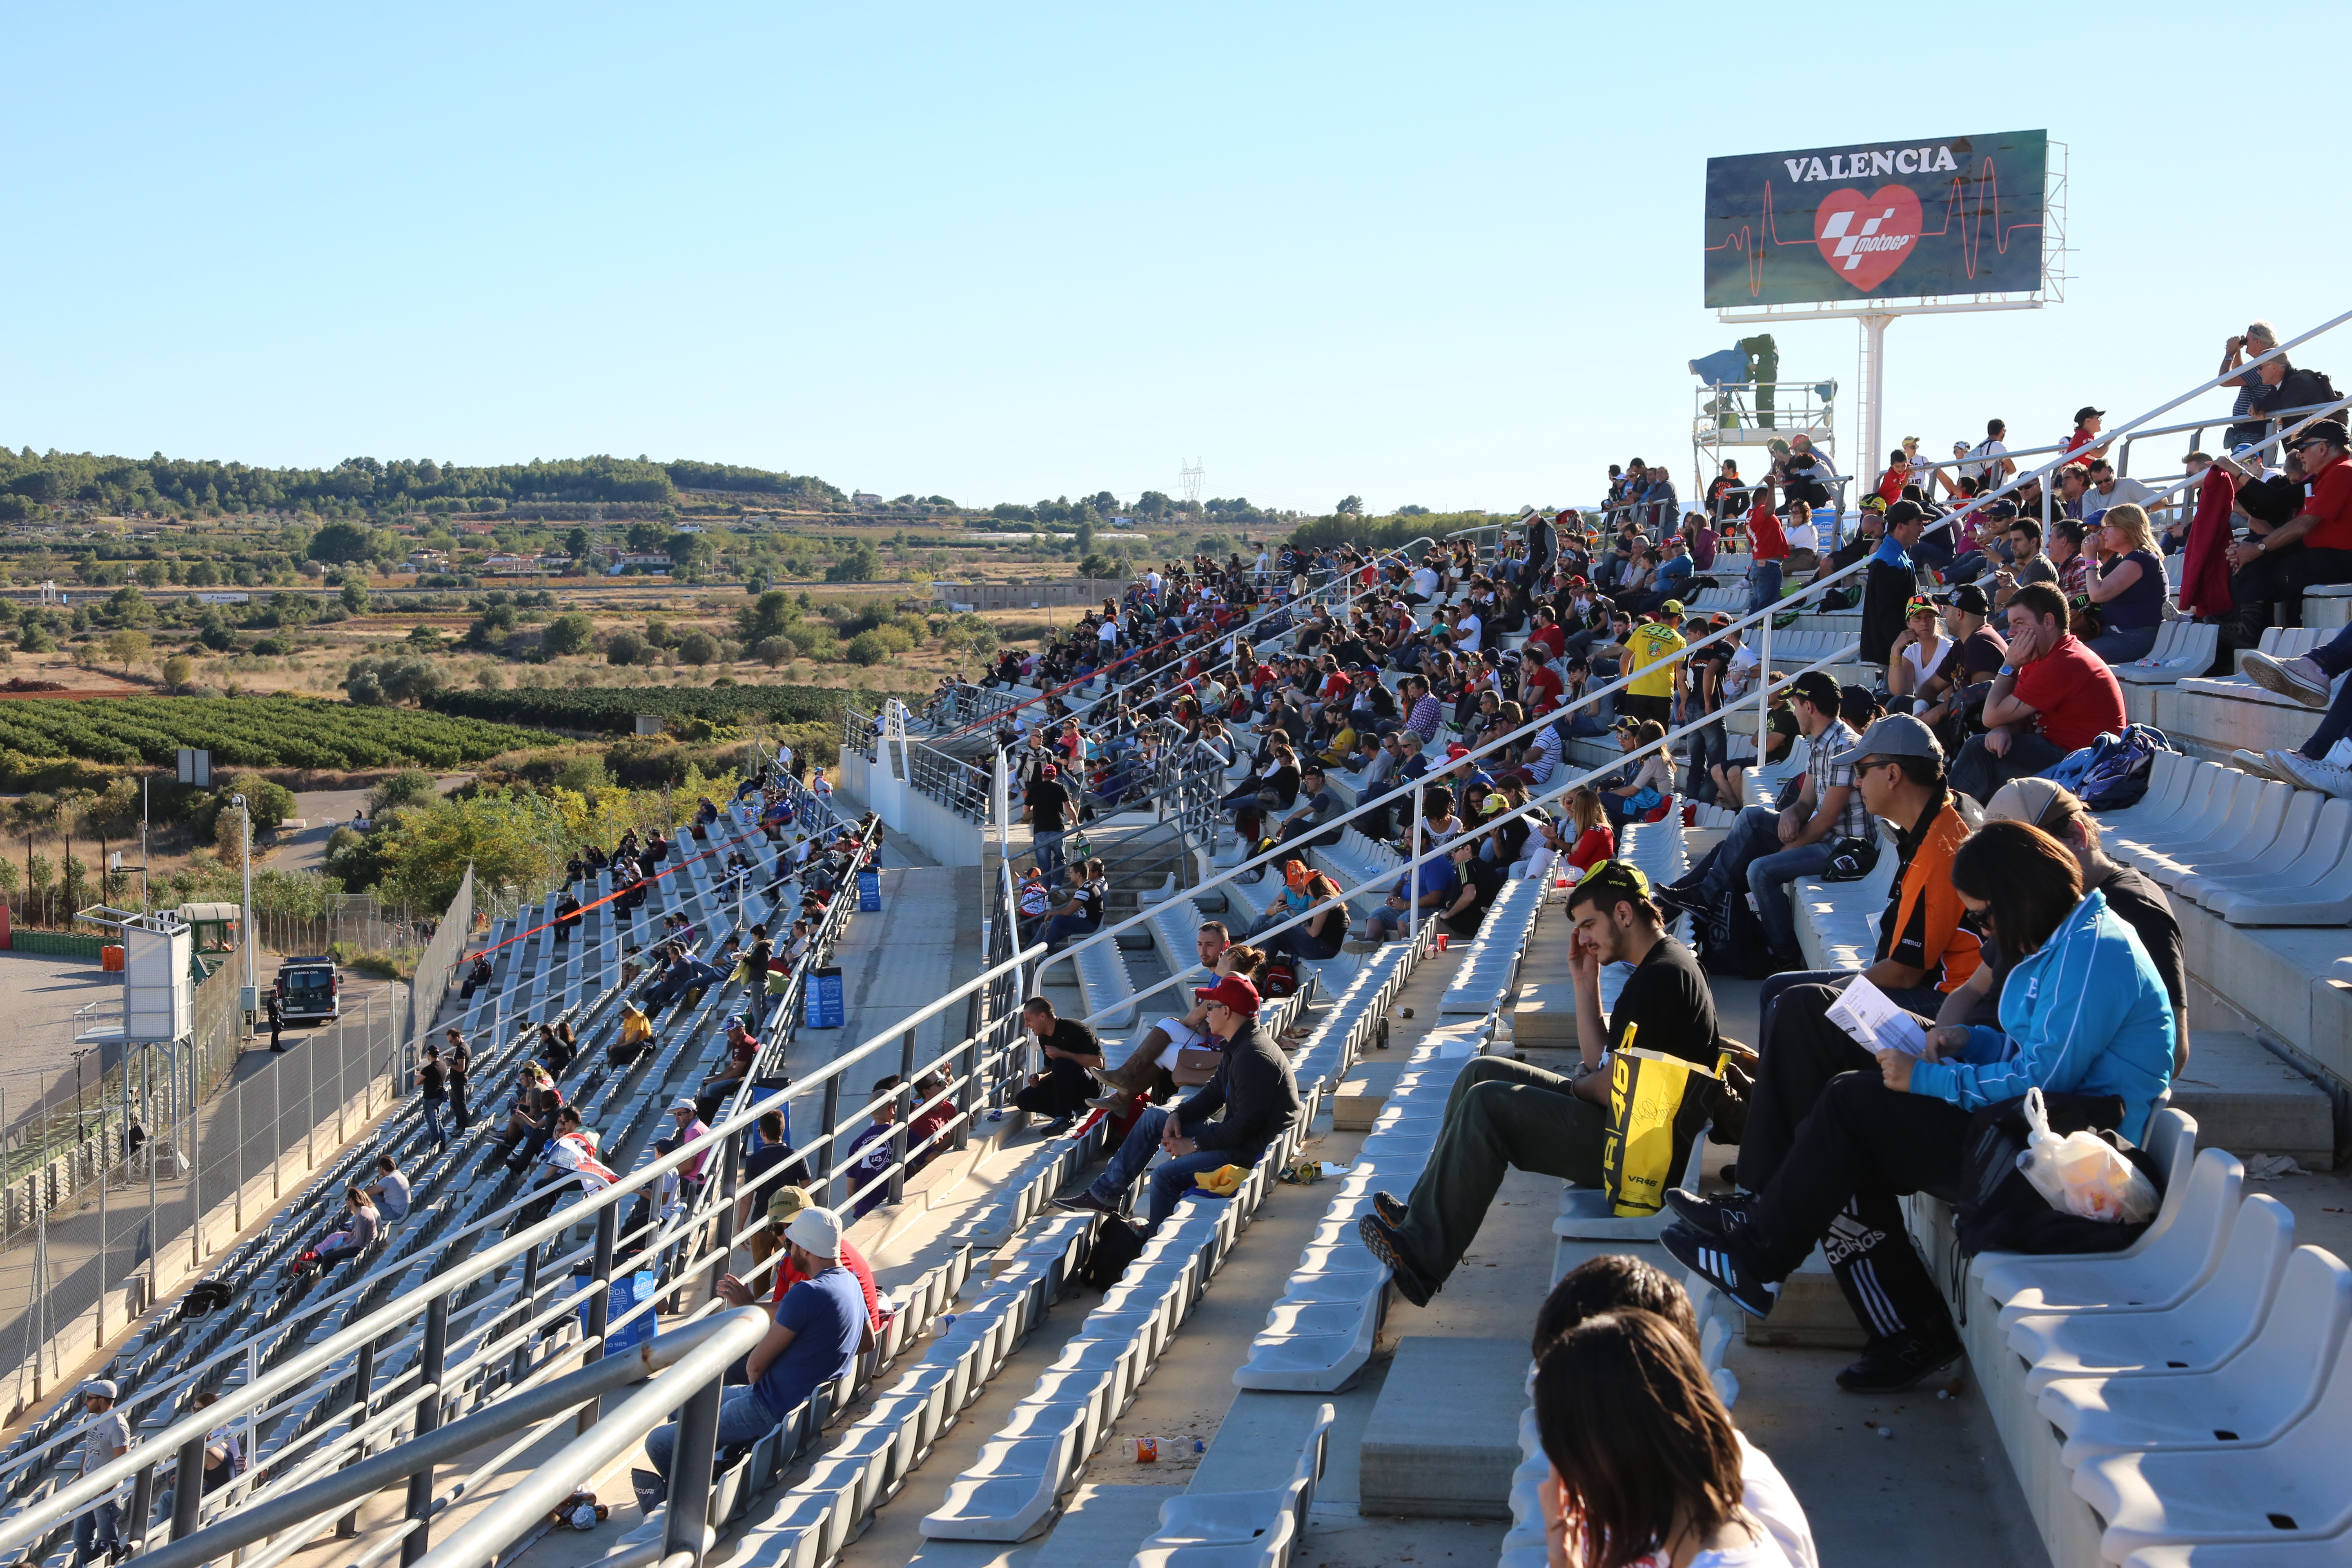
(1874, 325)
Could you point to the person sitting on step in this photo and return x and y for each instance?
(1504, 1115)
(1161, 1043)
(1231, 1120)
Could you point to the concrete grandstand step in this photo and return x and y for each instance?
(2251, 1101)
(1443, 1436)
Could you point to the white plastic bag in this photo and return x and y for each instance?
(2082, 1173)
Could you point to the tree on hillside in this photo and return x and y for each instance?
(1350, 506)
(127, 647)
(339, 543)
(567, 633)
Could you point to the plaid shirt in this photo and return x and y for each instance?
(1425, 718)
(1853, 820)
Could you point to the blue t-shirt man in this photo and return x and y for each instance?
(827, 1316)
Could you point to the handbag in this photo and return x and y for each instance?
(1196, 1065)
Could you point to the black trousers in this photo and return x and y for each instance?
(2283, 576)
(1978, 774)
(1819, 1180)
(1063, 1091)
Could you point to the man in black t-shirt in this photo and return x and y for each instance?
(1505, 1115)
(1481, 880)
(1061, 1092)
(1048, 805)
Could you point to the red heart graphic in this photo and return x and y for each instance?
(1865, 239)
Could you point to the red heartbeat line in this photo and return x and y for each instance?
(1971, 237)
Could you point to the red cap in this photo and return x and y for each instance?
(1457, 752)
(1233, 991)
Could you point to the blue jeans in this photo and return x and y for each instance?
(2123, 647)
(2333, 656)
(744, 1419)
(1763, 585)
(99, 1529)
(433, 1123)
(1173, 1180)
(1061, 928)
(1750, 853)
(1048, 847)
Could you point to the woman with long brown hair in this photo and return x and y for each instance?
(1646, 1469)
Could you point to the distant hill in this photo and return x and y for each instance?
(160, 484)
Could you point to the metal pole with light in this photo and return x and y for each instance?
(249, 1000)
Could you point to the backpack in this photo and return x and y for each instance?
(2119, 775)
(204, 1297)
(1277, 978)
(1999, 1210)
(1115, 1246)
(1731, 939)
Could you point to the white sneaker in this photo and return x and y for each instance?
(2259, 764)
(2340, 753)
(2306, 774)
(2297, 677)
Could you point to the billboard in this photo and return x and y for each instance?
(1956, 215)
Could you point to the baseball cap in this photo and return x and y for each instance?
(1457, 752)
(1620, 875)
(1295, 873)
(1493, 803)
(2328, 430)
(1853, 702)
(1816, 687)
(785, 1202)
(101, 1387)
(1895, 735)
(1671, 607)
(1906, 512)
(1920, 604)
(2034, 802)
(683, 1102)
(2087, 411)
(1627, 722)
(1232, 993)
(1969, 597)
(816, 1230)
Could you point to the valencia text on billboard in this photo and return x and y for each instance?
(1952, 214)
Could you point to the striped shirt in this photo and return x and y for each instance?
(1826, 774)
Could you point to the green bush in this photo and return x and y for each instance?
(567, 633)
(868, 647)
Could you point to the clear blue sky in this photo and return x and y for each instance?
(1447, 255)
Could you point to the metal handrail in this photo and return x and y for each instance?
(694, 1355)
(36, 1519)
(1408, 874)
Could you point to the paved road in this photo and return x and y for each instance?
(274, 1104)
(326, 810)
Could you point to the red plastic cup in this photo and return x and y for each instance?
(1440, 941)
